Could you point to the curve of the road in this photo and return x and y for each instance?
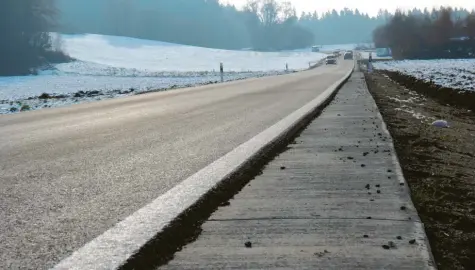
(69, 174)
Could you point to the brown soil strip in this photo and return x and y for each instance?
(438, 163)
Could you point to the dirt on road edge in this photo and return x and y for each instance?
(438, 164)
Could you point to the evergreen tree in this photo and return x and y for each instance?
(26, 43)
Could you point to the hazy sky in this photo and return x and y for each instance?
(371, 7)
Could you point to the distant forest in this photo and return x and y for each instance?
(261, 25)
(264, 25)
(440, 33)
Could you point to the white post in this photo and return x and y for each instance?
(221, 70)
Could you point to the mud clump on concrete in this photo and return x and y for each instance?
(227, 203)
(438, 163)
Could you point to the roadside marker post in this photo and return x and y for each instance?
(370, 63)
(221, 70)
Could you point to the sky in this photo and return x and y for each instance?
(369, 6)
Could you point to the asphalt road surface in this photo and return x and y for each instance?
(69, 174)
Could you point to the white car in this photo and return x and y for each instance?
(331, 60)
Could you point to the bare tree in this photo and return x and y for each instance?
(288, 12)
(269, 12)
(252, 6)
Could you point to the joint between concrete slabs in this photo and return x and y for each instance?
(314, 218)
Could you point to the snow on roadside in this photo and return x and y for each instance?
(451, 73)
(111, 66)
(15, 88)
(365, 55)
(407, 100)
(25, 92)
(417, 115)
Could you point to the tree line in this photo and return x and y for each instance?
(439, 33)
(343, 27)
(260, 25)
(264, 25)
(26, 44)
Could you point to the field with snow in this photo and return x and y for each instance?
(111, 66)
(365, 55)
(457, 74)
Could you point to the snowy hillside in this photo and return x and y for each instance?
(154, 56)
(458, 74)
(110, 66)
(365, 55)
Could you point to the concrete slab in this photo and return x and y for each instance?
(333, 200)
(301, 244)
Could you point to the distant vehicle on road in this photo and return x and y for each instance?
(331, 60)
(348, 55)
(315, 49)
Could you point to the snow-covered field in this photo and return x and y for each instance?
(111, 66)
(365, 55)
(458, 74)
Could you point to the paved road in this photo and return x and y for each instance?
(314, 213)
(69, 174)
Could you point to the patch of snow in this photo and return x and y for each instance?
(451, 73)
(414, 98)
(387, 77)
(401, 100)
(365, 55)
(415, 114)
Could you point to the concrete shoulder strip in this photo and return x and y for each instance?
(113, 248)
(402, 180)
